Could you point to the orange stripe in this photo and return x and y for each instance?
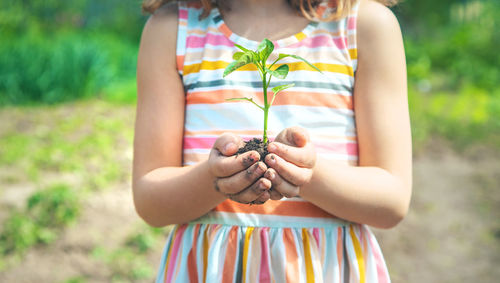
(283, 98)
(258, 133)
(230, 259)
(275, 207)
(225, 30)
(292, 258)
(340, 251)
(180, 62)
(192, 270)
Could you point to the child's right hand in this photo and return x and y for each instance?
(239, 177)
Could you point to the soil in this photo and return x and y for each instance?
(255, 144)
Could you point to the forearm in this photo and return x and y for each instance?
(368, 195)
(173, 195)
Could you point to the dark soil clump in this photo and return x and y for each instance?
(257, 145)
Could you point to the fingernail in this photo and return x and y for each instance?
(272, 159)
(271, 176)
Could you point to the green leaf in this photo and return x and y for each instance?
(279, 88)
(265, 49)
(281, 56)
(237, 55)
(245, 99)
(281, 72)
(242, 48)
(243, 59)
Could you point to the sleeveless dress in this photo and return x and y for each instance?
(290, 240)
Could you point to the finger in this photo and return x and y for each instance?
(241, 180)
(294, 136)
(228, 144)
(274, 194)
(281, 186)
(300, 156)
(254, 192)
(265, 196)
(223, 166)
(290, 172)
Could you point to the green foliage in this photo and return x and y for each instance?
(128, 262)
(49, 70)
(259, 59)
(46, 212)
(144, 240)
(77, 279)
(466, 118)
(457, 53)
(121, 17)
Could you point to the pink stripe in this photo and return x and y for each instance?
(175, 251)
(183, 14)
(321, 41)
(382, 275)
(324, 146)
(265, 276)
(316, 235)
(194, 41)
(351, 23)
(341, 148)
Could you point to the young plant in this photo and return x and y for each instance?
(259, 58)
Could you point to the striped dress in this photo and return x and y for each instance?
(290, 240)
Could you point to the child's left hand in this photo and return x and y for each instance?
(291, 160)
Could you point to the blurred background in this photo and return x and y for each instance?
(67, 102)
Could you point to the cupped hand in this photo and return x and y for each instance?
(291, 160)
(239, 177)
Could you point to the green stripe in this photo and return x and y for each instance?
(258, 85)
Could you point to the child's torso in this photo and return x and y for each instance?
(320, 103)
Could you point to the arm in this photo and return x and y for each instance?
(378, 191)
(164, 192)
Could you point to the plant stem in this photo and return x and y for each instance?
(266, 107)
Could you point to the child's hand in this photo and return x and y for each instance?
(238, 177)
(292, 158)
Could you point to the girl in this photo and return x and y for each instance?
(341, 156)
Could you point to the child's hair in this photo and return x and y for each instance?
(306, 7)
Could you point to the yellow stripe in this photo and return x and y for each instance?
(170, 251)
(359, 255)
(307, 255)
(205, 254)
(295, 66)
(300, 36)
(353, 53)
(248, 234)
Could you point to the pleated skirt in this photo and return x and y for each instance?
(208, 252)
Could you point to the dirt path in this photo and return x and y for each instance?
(452, 232)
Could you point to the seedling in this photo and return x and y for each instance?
(259, 58)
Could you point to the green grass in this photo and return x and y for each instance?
(47, 212)
(90, 141)
(466, 118)
(129, 261)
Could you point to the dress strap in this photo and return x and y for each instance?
(183, 14)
